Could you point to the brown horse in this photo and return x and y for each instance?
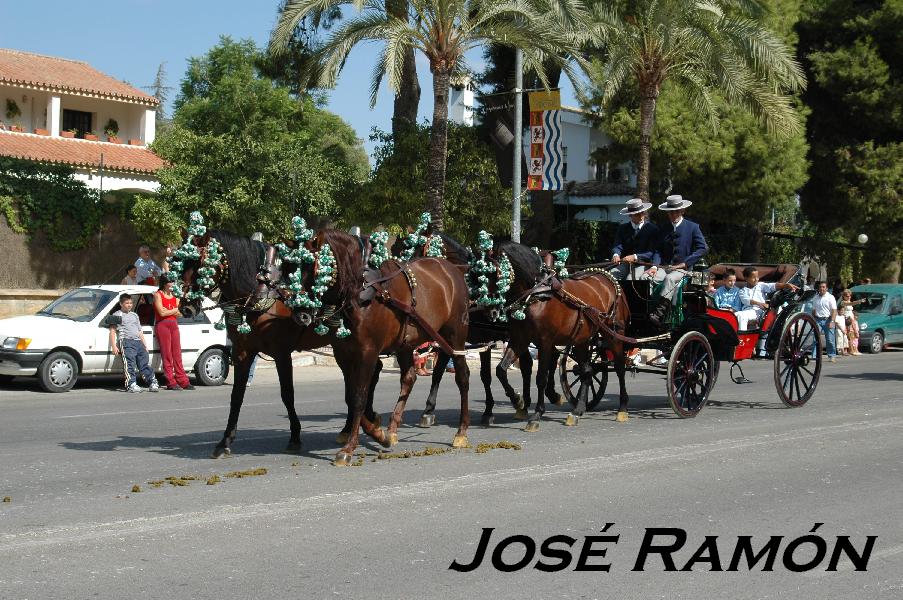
(273, 330)
(588, 307)
(420, 301)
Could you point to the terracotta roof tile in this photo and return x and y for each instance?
(81, 153)
(36, 70)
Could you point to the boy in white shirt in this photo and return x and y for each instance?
(752, 297)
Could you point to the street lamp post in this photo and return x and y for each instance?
(518, 130)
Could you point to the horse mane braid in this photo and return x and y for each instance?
(348, 261)
(526, 264)
(244, 256)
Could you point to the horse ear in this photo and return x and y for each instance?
(205, 239)
(183, 233)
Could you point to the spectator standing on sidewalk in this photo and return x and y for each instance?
(127, 340)
(148, 270)
(167, 328)
(824, 309)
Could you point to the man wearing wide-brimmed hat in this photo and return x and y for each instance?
(635, 241)
(681, 245)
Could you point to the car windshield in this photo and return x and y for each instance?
(873, 302)
(78, 305)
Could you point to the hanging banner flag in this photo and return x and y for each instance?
(544, 165)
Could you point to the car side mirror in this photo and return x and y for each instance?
(110, 321)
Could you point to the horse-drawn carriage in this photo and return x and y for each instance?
(701, 336)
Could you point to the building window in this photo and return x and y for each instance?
(78, 120)
(564, 167)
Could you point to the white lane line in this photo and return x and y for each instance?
(162, 410)
(308, 507)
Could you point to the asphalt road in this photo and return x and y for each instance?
(745, 466)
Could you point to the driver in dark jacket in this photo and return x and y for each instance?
(635, 241)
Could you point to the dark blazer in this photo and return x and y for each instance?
(685, 245)
(644, 245)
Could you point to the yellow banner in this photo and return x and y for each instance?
(545, 101)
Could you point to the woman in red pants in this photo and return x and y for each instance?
(167, 329)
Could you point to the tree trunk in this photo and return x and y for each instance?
(647, 122)
(435, 189)
(407, 100)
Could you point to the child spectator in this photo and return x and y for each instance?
(421, 354)
(727, 297)
(127, 340)
(131, 276)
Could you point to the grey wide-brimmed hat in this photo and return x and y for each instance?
(675, 202)
(634, 206)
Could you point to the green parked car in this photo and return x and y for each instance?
(880, 315)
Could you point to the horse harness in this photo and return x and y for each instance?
(375, 288)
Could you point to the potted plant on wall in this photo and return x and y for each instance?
(90, 136)
(12, 113)
(69, 133)
(111, 130)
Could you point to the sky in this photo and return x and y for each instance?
(128, 39)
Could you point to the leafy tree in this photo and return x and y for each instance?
(295, 36)
(853, 57)
(736, 175)
(702, 47)
(394, 195)
(443, 30)
(247, 152)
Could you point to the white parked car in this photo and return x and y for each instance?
(68, 338)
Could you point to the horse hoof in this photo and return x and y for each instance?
(460, 441)
(221, 452)
(293, 448)
(557, 400)
(622, 416)
(393, 440)
(521, 415)
(343, 459)
(572, 420)
(427, 420)
(488, 420)
(342, 438)
(532, 427)
(383, 438)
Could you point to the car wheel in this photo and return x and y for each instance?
(58, 372)
(212, 367)
(876, 343)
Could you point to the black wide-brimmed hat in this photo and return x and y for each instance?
(675, 202)
(634, 206)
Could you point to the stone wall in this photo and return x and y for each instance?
(30, 264)
(25, 302)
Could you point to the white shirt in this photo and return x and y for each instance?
(757, 293)
(679, 221)
(823, 305)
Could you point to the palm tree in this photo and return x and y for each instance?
(443, 30)
(705, 47)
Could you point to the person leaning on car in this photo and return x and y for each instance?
(132, 347)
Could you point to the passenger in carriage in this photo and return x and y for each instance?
(635, 241)
(752, 297)
(727, 297)
(679, 247)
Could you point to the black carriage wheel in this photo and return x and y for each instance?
(691, 374)
(570, 378)
(796, 370)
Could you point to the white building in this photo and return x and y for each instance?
(461, 101)
(56, 110)
(595, 192)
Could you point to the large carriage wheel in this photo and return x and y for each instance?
(569, 375)
(691, 374)
(796, 371)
